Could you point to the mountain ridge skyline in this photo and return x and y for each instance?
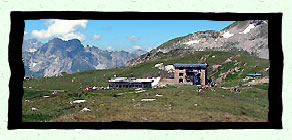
(57, 56)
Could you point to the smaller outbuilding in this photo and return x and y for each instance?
(132, 82)
(254, 76)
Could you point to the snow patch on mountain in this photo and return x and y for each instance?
(227, 34)
(31, 65)
(247, 29)
(31, 50)
(192, 42)
(100, 66)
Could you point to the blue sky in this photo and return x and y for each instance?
(118, 35)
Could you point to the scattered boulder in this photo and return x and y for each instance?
(85, 110)
(268, 68)
(140, 91)
(77, 101)
(147, 100)
(228, 60)
(169, 68)
(34, 109)
(158, 95)
(158, 65)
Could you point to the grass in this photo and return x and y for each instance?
(31, 93)
(176, 104)
(264, 86)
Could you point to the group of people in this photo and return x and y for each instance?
(210, 84)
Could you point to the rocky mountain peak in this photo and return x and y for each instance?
(70, 56)
(250, 36)
(55, 40)
(31, 44)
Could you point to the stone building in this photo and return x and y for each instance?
(191, 74)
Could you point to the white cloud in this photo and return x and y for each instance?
(25, 33)
(96, 37)
(137, 47)
(73, 35)
(58, 27)
(133, 38)
(109, 48)
(42, 34)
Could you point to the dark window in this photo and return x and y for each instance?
(180, 80)
(181, 74)
(181, 68)
(188, 80)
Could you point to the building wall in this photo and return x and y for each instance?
(168, 81)
(177, 77)
(129, 85)
(203, 76)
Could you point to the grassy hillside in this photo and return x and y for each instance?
(250, 105)
(181, 103)
(99, 77)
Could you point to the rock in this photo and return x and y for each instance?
(34, 109)
(85, 110)
(158, 95)
(140, 91)
(169, 68)
(147, 100)
(228, 60)
(77, 101)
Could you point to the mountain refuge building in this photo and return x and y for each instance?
(191, 74)
(183, 74)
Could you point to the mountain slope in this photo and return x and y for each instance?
(250, 36)
(108, 105)
(219, 70)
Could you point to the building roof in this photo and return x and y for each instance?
(191, 65)
(129, 80)
(254, 74)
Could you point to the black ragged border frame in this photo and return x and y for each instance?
(17, 69)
